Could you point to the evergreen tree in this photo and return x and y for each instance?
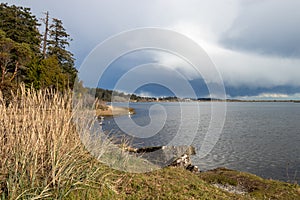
(14, 57)
(26, 57)
(51, 74)
(57, 46)
(47, 73)
(20, 25)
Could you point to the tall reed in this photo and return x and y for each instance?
(40, 151)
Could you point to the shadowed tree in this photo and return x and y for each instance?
(13, 58)
(57, 46)
(27, 57)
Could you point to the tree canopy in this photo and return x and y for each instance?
(20, 25)
(37, 59)
(57, 44)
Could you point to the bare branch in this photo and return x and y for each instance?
(15, 72)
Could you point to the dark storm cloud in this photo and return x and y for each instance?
(268, 27)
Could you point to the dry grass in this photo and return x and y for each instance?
(40, 151)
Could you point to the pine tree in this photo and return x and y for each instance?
(20, 25)
(20, 42)
(26, 56)
(57, 46)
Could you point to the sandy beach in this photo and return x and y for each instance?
(114, 111)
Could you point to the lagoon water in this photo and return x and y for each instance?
(260, 138)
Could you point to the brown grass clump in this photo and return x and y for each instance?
(40, 151)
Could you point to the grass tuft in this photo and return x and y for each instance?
(41, 153)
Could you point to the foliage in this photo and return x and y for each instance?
(51, 74)
(14, 57)
(21, 55)
(59, 40)
(20, 25)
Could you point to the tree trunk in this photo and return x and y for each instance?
(46, 21)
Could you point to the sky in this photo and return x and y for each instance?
(254, 44)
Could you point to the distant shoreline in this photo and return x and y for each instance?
(110, 110)
(220, 100)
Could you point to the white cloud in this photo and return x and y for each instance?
(145, 94)
(272, 95)
(269, 96)
(239, 68)
(174, 62)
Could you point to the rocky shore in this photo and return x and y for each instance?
(175, 156)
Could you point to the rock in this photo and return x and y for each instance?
(185, 162)
(193, 168)
(180, 150)
(231, 188)
(176, 156)
(189, 150)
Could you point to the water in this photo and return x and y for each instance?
(260, 138)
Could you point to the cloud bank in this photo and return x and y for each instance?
(255, 44)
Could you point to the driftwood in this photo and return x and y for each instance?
(176, 156)
(190, 150)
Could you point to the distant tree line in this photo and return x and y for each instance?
(110, 95)
(39, 60)
(104, 94)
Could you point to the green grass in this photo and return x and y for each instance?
(257, 187)
(168, 183)
(177, 183)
